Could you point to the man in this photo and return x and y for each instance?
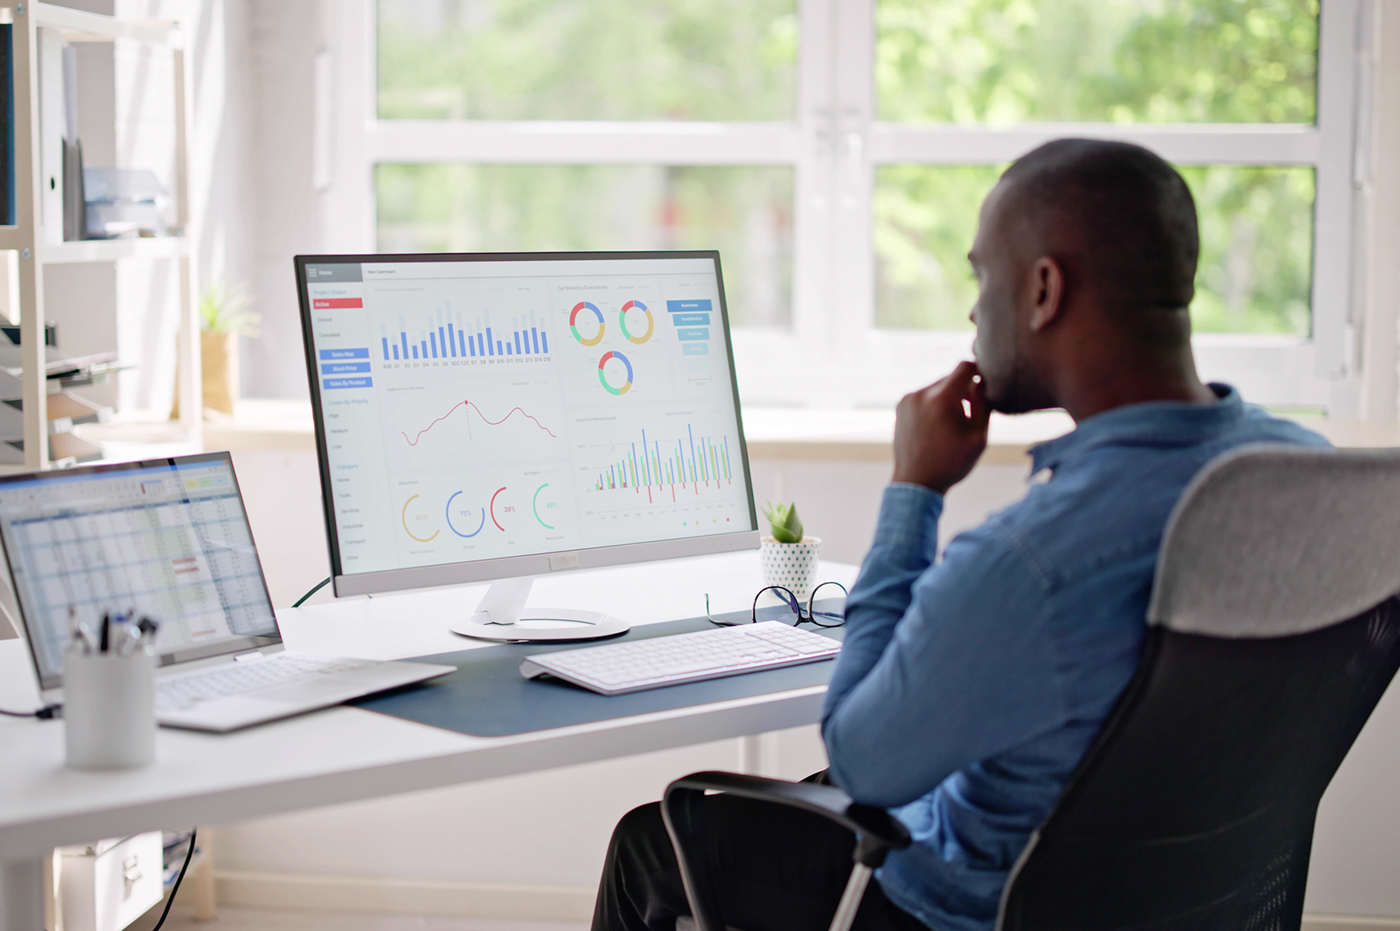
(968, 690)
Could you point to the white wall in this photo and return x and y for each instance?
(282, 41)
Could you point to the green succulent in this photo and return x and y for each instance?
(787, 526)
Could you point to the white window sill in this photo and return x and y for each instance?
(262, 425)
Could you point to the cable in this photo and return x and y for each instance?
(43, 714)
(319, 585)
(189, 855)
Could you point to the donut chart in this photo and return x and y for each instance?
(535, 506)
(573, 320)
(404, 518)
(622, 321)
(448, 515)
(493, 508)
(603, 376)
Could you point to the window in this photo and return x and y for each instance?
(837, 151)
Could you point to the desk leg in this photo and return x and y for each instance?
(22, 895)
(750, 757)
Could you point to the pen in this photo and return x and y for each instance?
(83, 638)
(148, 630)
(130, 641)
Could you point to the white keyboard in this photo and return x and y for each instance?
(187, 689)
(616, 668)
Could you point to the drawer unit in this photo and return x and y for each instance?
(108, 885)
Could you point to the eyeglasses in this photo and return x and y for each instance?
(830, 613)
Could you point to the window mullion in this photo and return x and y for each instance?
(485, 142)
(1200, 144)
(1332, 228)
(813, 195)
(347, 203)
(852, 313)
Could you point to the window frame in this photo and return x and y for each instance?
(834, 145)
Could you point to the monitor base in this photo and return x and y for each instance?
(502, 616)
(544, 624)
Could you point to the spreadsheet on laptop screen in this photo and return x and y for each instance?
(168, 541)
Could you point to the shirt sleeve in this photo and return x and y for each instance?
(943, 665)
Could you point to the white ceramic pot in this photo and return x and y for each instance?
(791, 565)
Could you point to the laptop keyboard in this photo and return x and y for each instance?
(185, 690)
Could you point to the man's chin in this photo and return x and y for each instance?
(1015, 391)
(1016, 403)
(1011, 407)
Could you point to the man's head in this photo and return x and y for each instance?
(1085, 256)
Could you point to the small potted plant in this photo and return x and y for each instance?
(789, 557)
(223, 317)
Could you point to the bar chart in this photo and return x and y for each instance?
(683, 467)
(445, 335)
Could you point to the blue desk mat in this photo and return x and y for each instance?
(488, 697)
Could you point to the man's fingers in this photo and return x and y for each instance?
(947, 394)
(961, 378)
(963, 372)
(961, 386)
(977, 402)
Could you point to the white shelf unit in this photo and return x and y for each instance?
(27, 236)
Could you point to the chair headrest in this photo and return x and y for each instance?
(1269, 541)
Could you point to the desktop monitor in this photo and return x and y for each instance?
(503, 416)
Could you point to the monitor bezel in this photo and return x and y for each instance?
(484, 570)
(222, 648)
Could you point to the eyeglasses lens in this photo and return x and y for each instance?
(776, 603)
(829, 605)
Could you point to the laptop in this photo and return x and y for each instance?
(169, 539)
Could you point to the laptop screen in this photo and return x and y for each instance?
(166, 538)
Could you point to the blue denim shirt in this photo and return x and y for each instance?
(968, 690)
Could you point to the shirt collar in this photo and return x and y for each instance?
(1167, 423)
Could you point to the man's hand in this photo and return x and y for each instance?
(936, 441)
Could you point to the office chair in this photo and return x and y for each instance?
(1273, 631)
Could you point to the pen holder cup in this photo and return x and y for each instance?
(109, 713)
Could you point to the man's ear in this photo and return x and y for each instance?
(1047, 293)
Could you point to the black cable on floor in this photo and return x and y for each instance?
(189, 855)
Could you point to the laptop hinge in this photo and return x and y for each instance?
(252, 657)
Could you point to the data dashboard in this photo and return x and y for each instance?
(477, 409)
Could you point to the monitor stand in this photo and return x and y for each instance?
(502, 615)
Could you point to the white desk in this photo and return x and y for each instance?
(347, 754)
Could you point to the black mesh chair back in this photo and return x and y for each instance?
(1273, 632)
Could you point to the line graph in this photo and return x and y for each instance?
(469, 406)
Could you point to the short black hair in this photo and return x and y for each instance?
(1128, 212)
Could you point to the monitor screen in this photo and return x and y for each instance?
(166, 538)
(478, 413)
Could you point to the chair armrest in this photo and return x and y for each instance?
(826, 800)
(682, 809)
